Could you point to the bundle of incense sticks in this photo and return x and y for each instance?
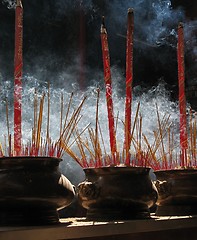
(157, 151)
(39, 145)
(90, 148)
(93, 152)
(164, 153)
(42, 144)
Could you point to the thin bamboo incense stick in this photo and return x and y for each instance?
(151, 151)
(61, 112)
(169, 148)
(103, 143)
(127, 161)
(18, 65)
(68, 109)
(35, 119)
(69, 127)
(182, 100)
(108, 86)
(48, 113)
(38, 138)
(161, 137)
(58, 145)
(79, 135)
(8, 128)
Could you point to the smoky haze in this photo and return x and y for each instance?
(62, 40)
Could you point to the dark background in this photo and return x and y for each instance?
(62, 39)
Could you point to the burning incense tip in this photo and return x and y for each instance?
(19, 3)
(180, 25)
(130, 11)
(103, 29)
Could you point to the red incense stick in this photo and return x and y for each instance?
(182, 99)
(107, 77)
(129, 79)
(18, 64)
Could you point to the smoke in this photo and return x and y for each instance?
(147, 101)
(191, 51)
(154, 20)
(11, 4)
(52, 53)
(53, 31)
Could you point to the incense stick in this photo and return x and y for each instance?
(129, 79)
(182, 101)
(107, 78)
(18, 65)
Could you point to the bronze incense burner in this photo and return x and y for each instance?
(177, 192)
(112, 193)
(32, 190)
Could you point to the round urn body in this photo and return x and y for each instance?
(111, 193)
(177, 192)
(32, 190)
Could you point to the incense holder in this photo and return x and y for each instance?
(32, 190)
(113, 193)
(177, 192)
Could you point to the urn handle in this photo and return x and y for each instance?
(164, 187)
(88, 190)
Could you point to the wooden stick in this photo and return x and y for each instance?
(69, 127)
(61, 112)
(35, 118)
(151, 151)
(68, 109)
(38, 138)
(48, 113)
(8, 128)
(79, 134)
(127, 161)
(161, 137)
(104, 148)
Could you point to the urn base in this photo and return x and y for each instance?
(101, 214)
(28, 217)
(176, 210)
